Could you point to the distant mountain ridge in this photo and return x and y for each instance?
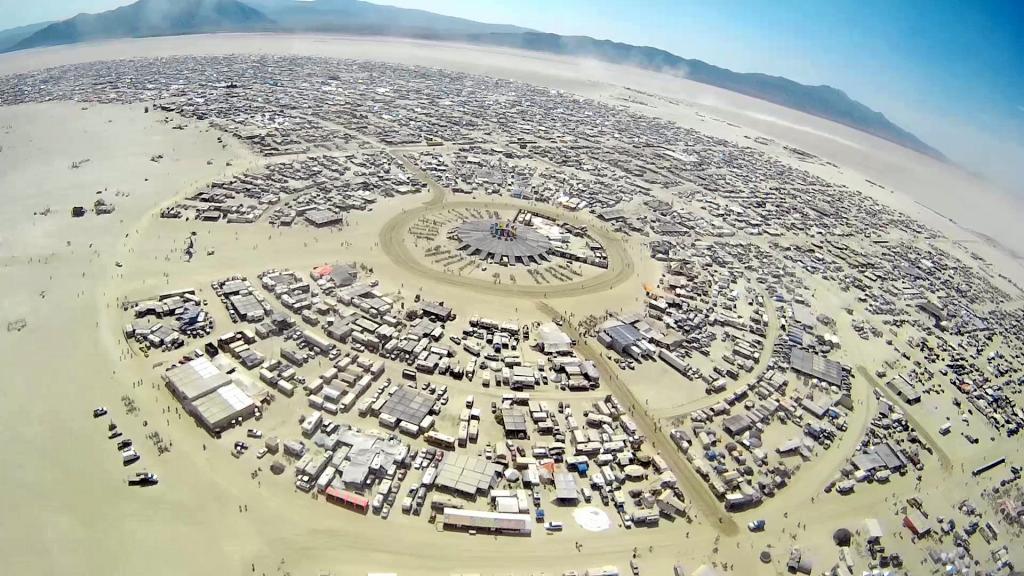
(150, 18)
(822, 101)
(12, 36)
(354, 15)
(176, 17)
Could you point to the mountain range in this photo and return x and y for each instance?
(177, 17)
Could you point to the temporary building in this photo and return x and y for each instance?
(491, 521)
(347, 499)
(195, 379)
(217, 409)
(553, 340)
(565, 487)
(874, 529)
(469, 475)
(507, 504)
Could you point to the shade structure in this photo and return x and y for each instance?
(347, 499)
(503, 242)
(633, 471)
(842, 537)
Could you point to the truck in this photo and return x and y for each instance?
(143, 479)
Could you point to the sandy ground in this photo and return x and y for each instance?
(66, 507)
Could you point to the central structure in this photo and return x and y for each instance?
(503, 242)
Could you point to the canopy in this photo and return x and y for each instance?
(634, 471)
(347, 497)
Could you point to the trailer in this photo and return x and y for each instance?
(982, 469)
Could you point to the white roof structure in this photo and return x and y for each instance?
(874, 528)
(507, 504)
(467, 474)
(195, 379)
(552, 339)
(565, 486)
(483, 520)
(223, 404)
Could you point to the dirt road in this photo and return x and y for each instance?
(922, 431)
(695, 489)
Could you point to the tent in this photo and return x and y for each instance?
(917, 523)
(634, 472)
(874, 529)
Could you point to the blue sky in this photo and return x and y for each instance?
(951, 72)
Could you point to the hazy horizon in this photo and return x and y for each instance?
(951, 74)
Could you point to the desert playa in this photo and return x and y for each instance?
(436, 333)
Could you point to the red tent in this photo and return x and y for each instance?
(917, 523)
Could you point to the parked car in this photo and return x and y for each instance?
(99, 412)
(129, 457)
